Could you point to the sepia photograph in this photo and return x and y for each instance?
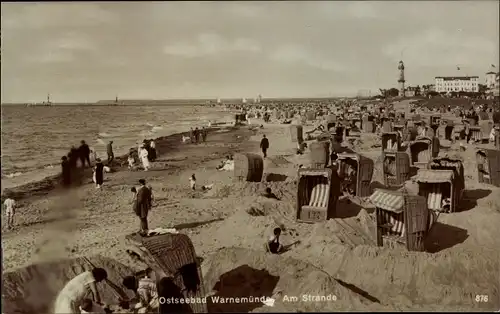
(250, 156)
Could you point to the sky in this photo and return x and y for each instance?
(88, 51)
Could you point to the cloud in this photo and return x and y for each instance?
(42, 15)
(436, 47)
(62, 49)
(211, 44)
(292, 54)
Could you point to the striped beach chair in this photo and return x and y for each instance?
(402, 219)
(438, 187)
(315, 200)
(175, 257)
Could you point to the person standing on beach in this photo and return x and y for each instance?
(66, 171)
(142, 206)
(99, 173)
(143, 155)
(204, 133)
(109, 150)
(153, 151)
(73, 156)
(10, 211)
(264, 145)
(196, 135)
(84, 152)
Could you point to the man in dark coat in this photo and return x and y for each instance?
(109, 150)
(143, 205)
(264, 145)
(66, 171)
(84, 152)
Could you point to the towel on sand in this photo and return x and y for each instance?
(159, 231)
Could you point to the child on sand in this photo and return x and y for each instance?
(10, 211)
(273, 245)
(192, 182)
(131, 161)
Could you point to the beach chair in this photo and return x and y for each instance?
(315, 200)
(422, 150)
(437, 186)
(357, 122)
(448, 130)
(458, 184)
(486, 127)
(488, 166)
(173, 254)
(391, 142)
(395, 168)
(434, 119)
(363, 168)
(387, 126)
(475, 133)
(401, 219)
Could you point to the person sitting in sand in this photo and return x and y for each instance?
(207, 187)
(71, 296)
(269, 194)
(87, 306)
(146, 292)
(192, 182)
(273, 245)
(131, 161)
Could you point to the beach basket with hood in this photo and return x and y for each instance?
(311, 115)
(363, 168)
(387, 125)
(434, 119)
(402, 219)
(319, 155)
(248, 167)
(391, 142)
(474, 131)
(395, 168)
(368, 124)
(316, 201)
(422, 150)
(438, 188)
(174, 254)
(488, 166)
(296, 133)
(458, 184)
(448, 130)
(399, 123)
(330, 121)
(357, 122)
(486, 127)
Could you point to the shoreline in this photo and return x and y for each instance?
(49, 183)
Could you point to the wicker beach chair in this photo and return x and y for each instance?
(391, 142)
(422, 150)
(315, 199)
(488, 166)
(402, 219)
(363, 168)
(458, 184)
(395, 168)
(438, 188)
(173, 254)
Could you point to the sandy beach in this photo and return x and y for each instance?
(338, 255)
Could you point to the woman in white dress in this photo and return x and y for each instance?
(143, 154)
(76, 290)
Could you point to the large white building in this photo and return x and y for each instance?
(490, 79)
(457, 84)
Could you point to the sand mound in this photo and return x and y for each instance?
(353, 231)
(33, 289)
(286, 191)
(238, 272)
(410, 280)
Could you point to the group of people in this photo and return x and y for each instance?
(81, 294)
(146, 153)
(198, 134)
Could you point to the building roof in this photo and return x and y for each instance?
(453, 78)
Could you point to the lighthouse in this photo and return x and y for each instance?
(401, 80)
